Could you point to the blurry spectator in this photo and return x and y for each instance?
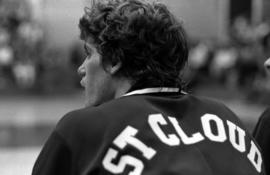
(198, 55)
(242, 32)
(247, 66)
(13, 12)
(6, 55)
(29, 52)
(29, 41)
(246, 38)
(200, 58)
(30, 32)
(25, 74)
(6, 52)
(222, 67)
(6, 59)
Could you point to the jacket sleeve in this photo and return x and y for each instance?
(54, 158)
(262, 136)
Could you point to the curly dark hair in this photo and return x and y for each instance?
(144, 36)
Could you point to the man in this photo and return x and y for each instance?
(262, 130)
(137, 120)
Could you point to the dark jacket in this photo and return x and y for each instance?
(151, 134)
(262, 135)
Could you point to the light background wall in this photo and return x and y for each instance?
(203, 19)
(206, 19)
(60, 20)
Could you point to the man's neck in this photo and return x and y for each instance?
(123, 86)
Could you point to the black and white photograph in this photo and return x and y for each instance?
(134, 87)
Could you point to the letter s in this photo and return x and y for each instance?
(123, 162)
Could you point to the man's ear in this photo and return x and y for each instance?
(113, 69)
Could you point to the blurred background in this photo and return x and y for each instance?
(40, 51)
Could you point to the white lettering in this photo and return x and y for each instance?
(123, 162)
(221, 135)
(241, 146)
(196, 137)
(213, 128)
(127, 136)
(252, 156)
(155, 120)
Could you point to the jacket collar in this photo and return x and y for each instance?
(153, 90)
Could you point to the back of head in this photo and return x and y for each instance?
(144, 36)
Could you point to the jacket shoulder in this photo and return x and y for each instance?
(265, 117)
(80, 122)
